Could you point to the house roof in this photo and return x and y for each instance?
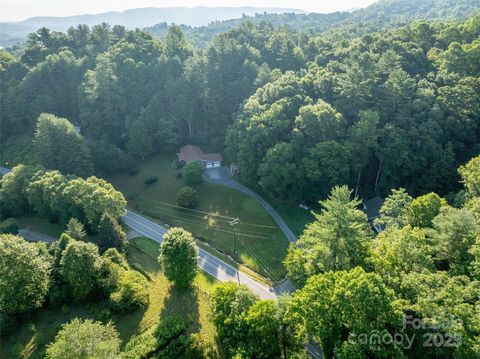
(372, 207)
(190, 153)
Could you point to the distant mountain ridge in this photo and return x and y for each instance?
(381, 14)
(137, 18)
(201, 24)
(142, 17)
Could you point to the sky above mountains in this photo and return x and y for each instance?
(17, 10)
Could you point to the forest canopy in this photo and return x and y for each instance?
(393, 107)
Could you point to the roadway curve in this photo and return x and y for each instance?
(211, 264)
(206, 261)
(216, 268)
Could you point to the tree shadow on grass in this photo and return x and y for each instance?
(127, 324)
(183, 303)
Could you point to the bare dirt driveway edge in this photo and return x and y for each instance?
(222, 176)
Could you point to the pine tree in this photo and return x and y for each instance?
(75, 229)
(110, 233)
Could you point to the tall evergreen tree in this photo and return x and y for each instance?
(59, 146)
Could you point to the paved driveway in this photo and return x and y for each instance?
(222, 176)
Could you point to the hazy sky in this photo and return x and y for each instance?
(15, 10)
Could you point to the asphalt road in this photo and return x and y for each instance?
(222, 176)
(215, 266)
(206, 261)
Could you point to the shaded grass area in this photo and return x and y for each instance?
(38, 329)
(261, 245)
(41, 225)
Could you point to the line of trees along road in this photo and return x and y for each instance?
(390, 108)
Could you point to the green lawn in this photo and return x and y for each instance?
(38, 329)
(295, 216)
(261, 245)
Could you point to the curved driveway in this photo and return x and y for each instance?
(222, 176)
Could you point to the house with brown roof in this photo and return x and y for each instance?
(191, 153)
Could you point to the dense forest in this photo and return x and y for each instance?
(318, 110)
(387, 109)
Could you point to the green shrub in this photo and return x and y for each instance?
(9, 225)
(187, 197)
(150, 180)
(198, 348)
(130, 293)
(141, 346)
(169, 328)
(156, 340)
(192, 172)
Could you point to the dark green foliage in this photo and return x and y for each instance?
(14, 185)
(187, 197)
(127, 289)
(392, 101)
(9, 226)
(370, 116)
(80, 269)
(59, 146)
(158, 340)
(57, 197)
(108, 158)
(139, 140)
(178, 257)
(150, 180)
(192, 172)
(111, 234)
(8, 324)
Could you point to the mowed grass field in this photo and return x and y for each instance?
(39, 328)
(261, 245)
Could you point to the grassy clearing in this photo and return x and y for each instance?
(295, 217)
(38, 329)
(261, 245)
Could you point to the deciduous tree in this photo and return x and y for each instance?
(80, 269)
(192, 172)
(24, 274)
(178, 257)
(85, 339)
